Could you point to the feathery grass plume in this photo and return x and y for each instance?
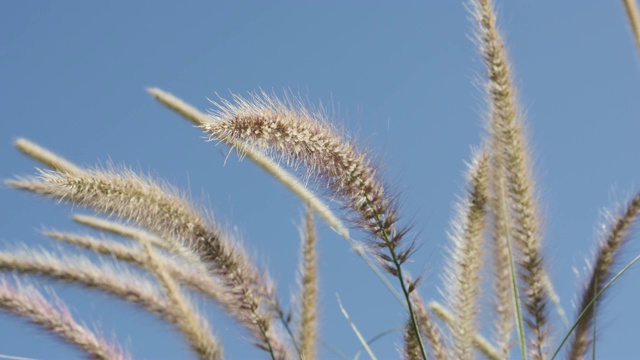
(139, 235)
(631, 8)
(428, 329)
(162, 211)
(479, 341)
(187, 276)
(119, 283)
(510, 153)
(47, 157)
(195, 116)
(300, 136)
(617, 235)
(505, 298)
(309, 290)
(25, 301)
(60, 164)
(462, 273)
(192, 325)
(80, 270)
(291, 182)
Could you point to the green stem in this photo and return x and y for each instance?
(512, 271)
(285, 323)
(392, 250)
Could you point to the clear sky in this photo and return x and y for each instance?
(402, 78)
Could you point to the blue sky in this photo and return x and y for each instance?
(402, 78)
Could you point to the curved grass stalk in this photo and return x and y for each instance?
(555, 299)
(334, 350)
(376, 338)
(462, 273)
(355, 330)
(9, 357)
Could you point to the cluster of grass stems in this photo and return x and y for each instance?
(497, 225)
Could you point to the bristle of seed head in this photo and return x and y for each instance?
(163, 211)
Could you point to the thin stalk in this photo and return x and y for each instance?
(593, 332)
(355, 330)
(376, 338)
(514, 276)
(555, 299)
(287, 328)
(430, 330)
(394, 258)
(334, 350)
(9, 357)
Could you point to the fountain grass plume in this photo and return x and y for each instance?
(462, 272)
(514, 187)
(27, 302)
(300, 136)
(494, 269)
(163, 210)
